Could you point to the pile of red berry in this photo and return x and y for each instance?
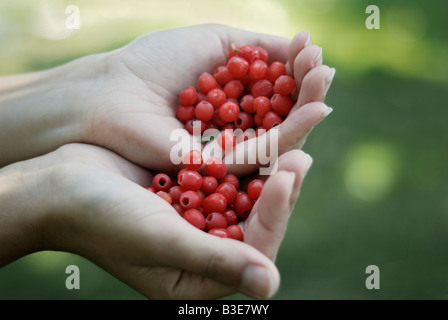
(246, 94)
(213, 201)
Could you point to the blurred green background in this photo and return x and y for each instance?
(377, 193)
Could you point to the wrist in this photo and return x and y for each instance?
(21, 217)
(43, 110)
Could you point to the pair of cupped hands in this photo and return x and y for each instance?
(76, 178)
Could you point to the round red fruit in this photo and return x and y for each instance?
(262, 88)
(204, 111)
(215, 220)
(161, 182)
(281, 104)
(226, 140)
(220, 232)
(188, 96)
(190, 200)
(284, 85)
(229, 111)
(254, 188)
(209, 184)
(189, 180)
(193, 160)
(243, 205)
(195, 217)
(271, 119)
(237, 67)
(216, 202)
(235, 232)
(228, 190)
(207, 82)
(215, 167)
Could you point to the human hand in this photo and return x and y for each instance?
(138, 98)
(91, 202)
(125, 100)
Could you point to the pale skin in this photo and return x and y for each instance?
(81, 141)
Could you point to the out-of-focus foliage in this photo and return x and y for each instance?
(377, 193)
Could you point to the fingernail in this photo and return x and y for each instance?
(319, 55)
(310, 161)
(258, 282)
(327, 111)
(328, 81)
(292, 176)
(308, 41)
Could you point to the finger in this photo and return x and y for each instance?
(307, 59)
(315, 85)
(232, 263)
(263, 150)
(276, 46)
(268, 220)
(298, 43)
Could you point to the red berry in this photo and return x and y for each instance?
(235, 232)
(161, 182)
(190, 180)
(262, 105)
(201, 97)
(258, 120)
(193, 160)
(246, 103)
(275, 70)
(237, 67)
(216, 97)
(254, 188)
(228, 190)
(215, 168)
(195, 217)
(178, 208)
(258, 70)
(204, 111)
(220, 232)
(165, 196)
(262, 88)
(216, 202)
(195, 126)
(151, 189)
(231, 178)
(222, 75)
(209, 184)
(261, 54)
(229, 111)
(244, 121)
(281, 104)
(271, 119)
(226, 140)
(215, 220)
(188, 96)
(190, 200)
(175, 193)
(184, 113)
(284, 85)
(231, 217)
(243, 205)
(207, 82)
(217, 119)
(234, 89)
